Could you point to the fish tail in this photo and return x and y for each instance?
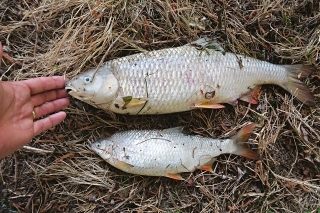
(296, 87)
(241, 148)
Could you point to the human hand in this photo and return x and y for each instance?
(19, 99)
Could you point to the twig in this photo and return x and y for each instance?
(36, 150)
(15, 170)
(130, 197)
(37, 37)
(305, 183)
(111, 45)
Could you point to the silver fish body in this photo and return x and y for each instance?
(168, 152)
(182, 78)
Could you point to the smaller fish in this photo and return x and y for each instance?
(169, 152)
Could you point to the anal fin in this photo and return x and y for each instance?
(252, 96)
(174, 176)
(206, 167)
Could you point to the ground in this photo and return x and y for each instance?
(57, 171)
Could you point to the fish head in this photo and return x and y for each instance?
(103, 148)
(94, 86)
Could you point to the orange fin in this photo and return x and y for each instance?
(252, 96)
(174, 176)
(296, 87)
(208, 106)
(122, 165)
(242, 149)
(206, 167)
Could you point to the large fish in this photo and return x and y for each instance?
(168, 152)
(179, 79)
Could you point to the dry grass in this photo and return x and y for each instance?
(57, 172)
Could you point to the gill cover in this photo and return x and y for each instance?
(108, 89)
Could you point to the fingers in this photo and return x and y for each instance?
(52, 120)
(51, 95)
(50, 107)
(43, 84)
(48, 122)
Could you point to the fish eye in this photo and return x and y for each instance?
(98, 145)
(87, 79)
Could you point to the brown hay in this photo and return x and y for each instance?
(57, 171)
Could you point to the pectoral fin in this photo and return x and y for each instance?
(252, 96)
(122, 165)
(208, 105)
(129, 101)
(174, 176)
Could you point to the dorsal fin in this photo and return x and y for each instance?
(178, 129)
(206, 42)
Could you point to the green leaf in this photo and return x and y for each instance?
(126, 100)
(55, 66)
(268, 211)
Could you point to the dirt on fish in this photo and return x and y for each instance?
(57, 171)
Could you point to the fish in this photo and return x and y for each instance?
(169, 152)
(184, 78)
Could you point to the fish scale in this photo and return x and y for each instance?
(201, 66)
(178, 79)
(168, 152)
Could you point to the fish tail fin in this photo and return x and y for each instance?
(241, 148)
(297, 87)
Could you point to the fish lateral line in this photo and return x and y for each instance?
(153, 139)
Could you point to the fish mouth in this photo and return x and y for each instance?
(70, 89)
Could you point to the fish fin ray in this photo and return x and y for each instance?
(206, 167)
(133, 102)
(296, 87)
(137, 102)
(174, 176)
(252, 96)
(177, 129)
(241, 148)
(208, 105)
(122, 165)
(207, 42)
